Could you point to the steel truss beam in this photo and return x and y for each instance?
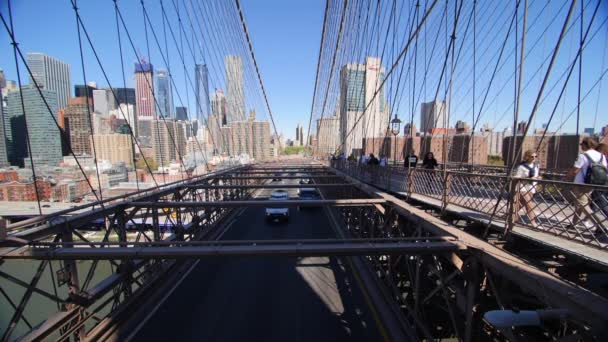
(301, 248)
(259, 203)
(268, 186)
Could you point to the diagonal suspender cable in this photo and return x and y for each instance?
(257, 69)
(405, 49)
(314, 92)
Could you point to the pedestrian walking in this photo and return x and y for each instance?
(527, 169)
(589, 168)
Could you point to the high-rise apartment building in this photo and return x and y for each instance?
(181, 113)
(3, 155)
(168, 141)
(201, 74)
(82, 90)
(125, 95)
(114, 148)
(44, 138)
(242, 137)
(144, 97)
(328, 138)
(434, 117)
(164, 96)
(219, 106)
(363, 111)
(125, 112)
(234, 86)
(260, 132)
(103, 101)
(299, 135)
(77, 114)
(51, 74)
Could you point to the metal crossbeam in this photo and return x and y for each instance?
(279, 177)
(269, 186)
(245, 249)
(259, 203)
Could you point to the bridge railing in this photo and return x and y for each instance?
(571, 211)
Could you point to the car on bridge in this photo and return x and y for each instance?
(308, 194)
(305, 181)
(278, 214)
(277, 177)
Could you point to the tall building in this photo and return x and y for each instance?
(242, 137)
(218, 106)
(328, 138)
(234, 85)
(181, 113)
(358, 85)
(51, 74)
(299, 135)
(81, 90)
(125, 112)
(144, 97)
(77, 114)
(3, 155)
(125, 95)
(164, 95)
(114, 148)
(201, 74)
(45, 141)
(260, 132)
(433, 117)
(103, 101)
(168, 141)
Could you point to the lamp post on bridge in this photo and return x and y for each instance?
(395, 128)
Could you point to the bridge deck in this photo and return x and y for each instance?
(266, 298)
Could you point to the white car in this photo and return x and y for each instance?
(278, 214)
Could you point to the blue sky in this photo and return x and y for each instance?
(286, 37)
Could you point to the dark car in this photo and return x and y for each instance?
(276, 177)
(308, 194)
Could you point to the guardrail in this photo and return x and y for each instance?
(571, 211)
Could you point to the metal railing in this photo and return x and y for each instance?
(571, 211)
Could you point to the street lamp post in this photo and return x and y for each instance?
(395, 128)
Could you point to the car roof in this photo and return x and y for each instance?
(308, 189)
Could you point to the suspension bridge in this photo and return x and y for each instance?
(212, 234)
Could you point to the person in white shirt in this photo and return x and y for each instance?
(578, 172)
(528, 169)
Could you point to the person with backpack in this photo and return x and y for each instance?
(589, 168)
(600, 198)
(528, 169)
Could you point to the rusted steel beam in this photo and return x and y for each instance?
(554, 291)
(302, 249)
(268, 186)
(279, 177)
(259, 203)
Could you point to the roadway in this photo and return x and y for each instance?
(267, 299)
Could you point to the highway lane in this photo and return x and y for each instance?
(267, 299)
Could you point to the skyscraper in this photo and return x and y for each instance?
(144, 97)
(181, 113)
(234, 85)
(3, 156)
(168, 141)
(433, 116)
(218, 106)
(125, 95)
(327, 135)
(358, 85)
(102, 101)
(201, 74)
(163, 94)
(45, 141)
(51, 74)
(80, 128)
